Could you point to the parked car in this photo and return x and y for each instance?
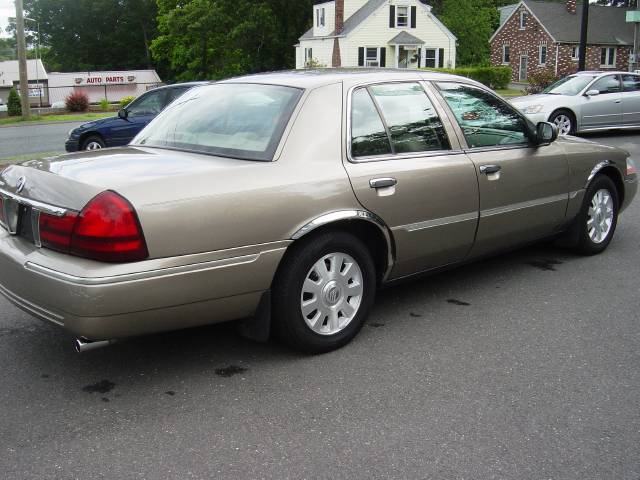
(285, 199)
(586, 101)
(120, 130)
(3, 107)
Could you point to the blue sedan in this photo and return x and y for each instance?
(120, 130)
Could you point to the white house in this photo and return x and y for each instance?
(376, 33)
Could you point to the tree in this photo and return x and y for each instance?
(473, 22)
(94, 34)
(211, 39)
(13, 104)
(7, 49)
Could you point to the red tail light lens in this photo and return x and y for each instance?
(55, 232)
(107, 229)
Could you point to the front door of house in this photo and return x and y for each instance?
(523, 67)
(403, 57)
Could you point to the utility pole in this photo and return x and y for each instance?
(633, 16)
(22, 61)
(582, 62)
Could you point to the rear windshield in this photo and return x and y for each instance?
(571, 85)
(237, 120)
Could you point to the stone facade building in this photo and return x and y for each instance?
(538, 35)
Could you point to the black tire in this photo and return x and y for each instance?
(581, 241)
(92, 140)
(289, 324)
(558, 113)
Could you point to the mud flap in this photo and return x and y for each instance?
(258, 327)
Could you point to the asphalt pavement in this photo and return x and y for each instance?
(524, 366)
(16, 141)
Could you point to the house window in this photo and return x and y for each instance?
(608, 57)
(308, 56)
(575, 52)
(402, 16)
(322, 17)
(430, 57)
(506, 54)
(320, 22)
(542, 55)
(523, 20)
(373, 57)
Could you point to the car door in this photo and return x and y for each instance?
(138, 114)
(406, 168)
(523, 187)
(630, 100)
(604, 109)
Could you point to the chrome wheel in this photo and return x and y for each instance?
(93, 146)
(331, 293)
(563, 122)
(600, 216)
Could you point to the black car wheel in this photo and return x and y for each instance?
(93, 142)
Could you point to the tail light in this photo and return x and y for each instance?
(631, 167)
(107, 229)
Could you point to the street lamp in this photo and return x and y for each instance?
(37, 58)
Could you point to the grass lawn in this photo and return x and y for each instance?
(76, 117)
(510, 92)
(24, 158)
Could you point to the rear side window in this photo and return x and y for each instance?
(395, 118)
(485, 120)
(631, 83)
(608, 84)
(368, 135)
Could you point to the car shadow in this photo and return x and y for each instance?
(42, 352)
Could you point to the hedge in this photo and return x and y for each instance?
(492, 77)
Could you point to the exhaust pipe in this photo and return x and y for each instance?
(83, 345)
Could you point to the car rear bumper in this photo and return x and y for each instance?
(143, 297)
(630, 191)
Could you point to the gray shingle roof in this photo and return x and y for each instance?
(607, 25)
(405, 38)
(354, 20)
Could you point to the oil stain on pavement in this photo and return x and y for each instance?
(230, 371)
(103, 386)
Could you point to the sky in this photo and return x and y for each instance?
(7, 9)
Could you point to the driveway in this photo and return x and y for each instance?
(525, 366)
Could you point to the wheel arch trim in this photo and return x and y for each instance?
(352, 215)
(608, 165)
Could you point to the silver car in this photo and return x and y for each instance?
(586, 101)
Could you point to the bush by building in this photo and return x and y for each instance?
(492, 77)
(77, 102)
(126, 101)
(14, 109)
(540, 80)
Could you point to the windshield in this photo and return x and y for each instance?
(571, 85)
(237, 120)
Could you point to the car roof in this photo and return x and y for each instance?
(308, 79)
(182, 85)
(604, 72)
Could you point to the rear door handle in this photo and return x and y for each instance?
(617, 101)
(489, 169)
(382, 182)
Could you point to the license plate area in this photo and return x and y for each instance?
(11, 215)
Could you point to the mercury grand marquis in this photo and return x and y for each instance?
(284, 199)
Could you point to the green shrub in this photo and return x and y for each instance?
(105, 105)
(126, 101)
(540, 80)
(77, 102)
(492, 77)
(13, 104)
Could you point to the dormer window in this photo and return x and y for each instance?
(523, 20)
(320, 18)
(402, 16)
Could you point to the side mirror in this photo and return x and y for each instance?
(122, 113)
(592, 93)
(546, 133)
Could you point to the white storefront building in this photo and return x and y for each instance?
(49, 88)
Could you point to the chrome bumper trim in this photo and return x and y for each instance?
(132, 277)
(40, 206)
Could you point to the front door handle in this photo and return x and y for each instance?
(489, 169)
(617, 101)
(382, 182)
